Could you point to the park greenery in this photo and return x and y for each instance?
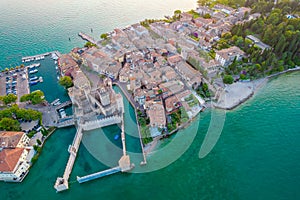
(9, 124)
(228, 79)
(178, 117)
(8, 99)
(12, 116)
(35, 97)
(66, 81)
(144, 121)
(203, 91)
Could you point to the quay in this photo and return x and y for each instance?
(87, 38)
(62, 182)
(40, 56)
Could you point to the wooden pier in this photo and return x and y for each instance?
(87, 38)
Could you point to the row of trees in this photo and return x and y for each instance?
(11, 116)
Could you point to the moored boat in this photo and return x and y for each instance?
(34, 78)
(33, 82)
(33, 71)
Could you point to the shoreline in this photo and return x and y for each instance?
(258, 84)
(238, 93)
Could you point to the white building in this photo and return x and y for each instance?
(14, 164)
(15, 156)
(226, 56)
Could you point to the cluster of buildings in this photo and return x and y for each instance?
(191, 34)
(15, 156)
(152, 62)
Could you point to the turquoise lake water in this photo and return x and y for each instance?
(256, 157)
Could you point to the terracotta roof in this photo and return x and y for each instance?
(171, 103)
(174, 59)
(9, 159)
(10, 138)
(156, 113)
(230, 52)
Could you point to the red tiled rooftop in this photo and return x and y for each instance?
(9, 159)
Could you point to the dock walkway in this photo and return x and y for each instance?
(39, 56)
(98, 174)
(62, 182)
(64, 104)
(87, 38)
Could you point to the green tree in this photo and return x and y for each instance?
(207, 16)
(9, 124)
(228, 79)
(177, 12)
(242, 76)
(37, 97)
(104, 36)
(10, 98)
(89, 45)
(66, 81)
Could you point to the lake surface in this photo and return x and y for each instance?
(257, 155)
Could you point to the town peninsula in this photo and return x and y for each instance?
(169, 70)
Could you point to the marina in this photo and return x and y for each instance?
(33, 65)
(54, 54)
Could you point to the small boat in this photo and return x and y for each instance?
(57, 77)
(56, 67)
(33, 82)
(55, 101)
(41, 79)
(33, 71)
(34, 78)
(63, 114)
(55, 62)
(117, 137)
